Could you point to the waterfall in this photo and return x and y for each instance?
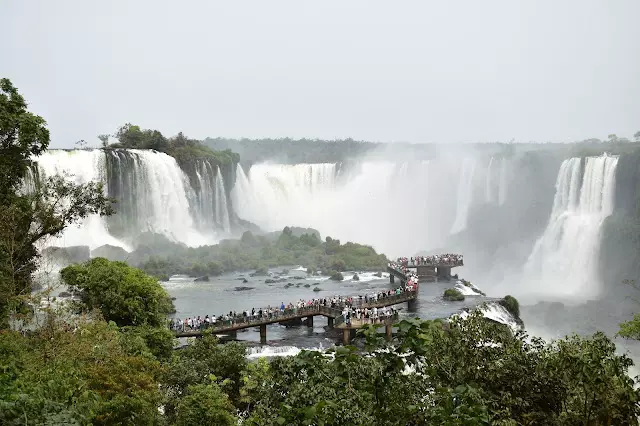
(153, 194)
(158, 193)
(395, 205)
(488, 183)
(79, 167)
(465, 195)
(205, 194)
(277, 195)
(502, 188)
(222, 210)
(564, 260)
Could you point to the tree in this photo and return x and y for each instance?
(205, 405)
(22, 135)
(104, 140)
(123, 294)
(32, 209)
(636, 136)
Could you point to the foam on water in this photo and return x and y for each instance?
(467, 290)
(278, 351)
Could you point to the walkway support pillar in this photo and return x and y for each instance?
(392, 278)
(263, 333)
(310, 321)
(346, 336)
(330, 322)
(388, 332)
(411, 305)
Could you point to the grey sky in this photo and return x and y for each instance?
(387, 71)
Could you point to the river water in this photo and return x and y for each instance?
(220, 295)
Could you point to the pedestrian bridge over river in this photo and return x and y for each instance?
(333, 315)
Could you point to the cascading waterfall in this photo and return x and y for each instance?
(465, 195)
(222, 210)
(153, 194)
(80, 167)
(564, 259)
(272, 195)
(205, 193)
(502, 188)
(158, 196)
(372, 201)
(488, 190)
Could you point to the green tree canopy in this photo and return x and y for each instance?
(123, 294)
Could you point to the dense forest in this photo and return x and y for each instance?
(108, 358)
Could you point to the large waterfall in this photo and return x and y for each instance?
(564, 259)
(153, 194)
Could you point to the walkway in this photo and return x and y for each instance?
(427, 268)
(333, 314)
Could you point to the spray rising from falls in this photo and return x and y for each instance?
(370, 202)
(502, 188)
(465, 195)
(564, 260)
(489, 183)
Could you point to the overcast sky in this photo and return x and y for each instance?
(412, 71)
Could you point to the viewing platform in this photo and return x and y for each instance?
(333, 315)
(427, 268)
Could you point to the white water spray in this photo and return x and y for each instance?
(465, 195)
(488, 190)
(371, 202)
(502, 188)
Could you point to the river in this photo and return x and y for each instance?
(219, 296)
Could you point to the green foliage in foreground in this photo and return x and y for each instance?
(123, 294)
(260, 252)
(453, 295)
(470, 372)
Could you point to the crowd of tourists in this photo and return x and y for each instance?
(368, 315)
(449, 259)
(290, 310)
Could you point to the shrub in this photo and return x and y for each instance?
(453, 295)
(335, 275)
(511, 304)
